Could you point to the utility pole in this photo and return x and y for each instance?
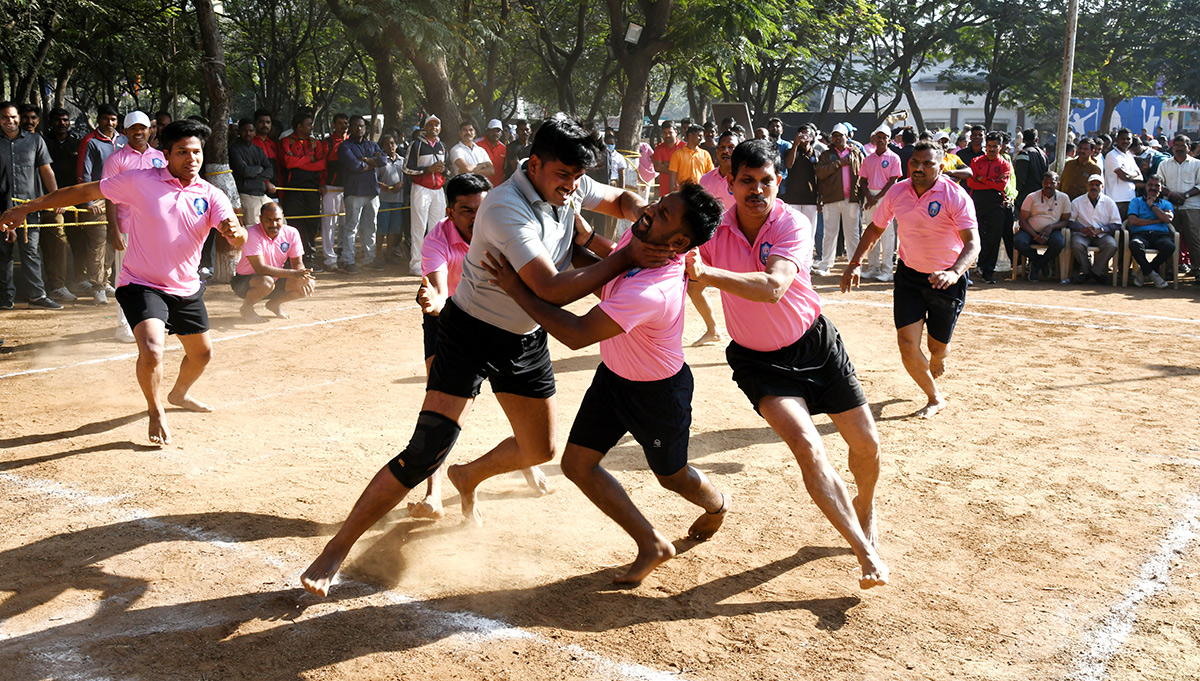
(1064, 102)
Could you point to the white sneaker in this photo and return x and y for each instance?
(885, 276)
(1159, 282)
(108, 288)
(1138, 279)
(867, 274)
(62, 295)
(124, 333)
(820, 272)
(100, 297)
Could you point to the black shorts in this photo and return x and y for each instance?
(183, 315)
(816, 368)
(657, 413)
(241, 286)
(429, 332)
(469, 350)
(916, 300)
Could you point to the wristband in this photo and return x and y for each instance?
(854, 264)
(590, 237)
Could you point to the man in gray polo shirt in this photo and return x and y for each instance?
(26, 159)
(483, 333)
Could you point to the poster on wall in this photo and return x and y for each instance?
(1139, 114)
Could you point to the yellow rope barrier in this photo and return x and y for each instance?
(218, 172)
(73, 209)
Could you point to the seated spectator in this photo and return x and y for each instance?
(1094, 219)
(1149, 220)
(1043, 215)
(271, 266)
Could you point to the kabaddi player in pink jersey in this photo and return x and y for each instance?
(643, 386)
(939, 238)
(171, 212)
(786, 357)
(272, 266)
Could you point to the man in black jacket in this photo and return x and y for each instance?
(253, 172)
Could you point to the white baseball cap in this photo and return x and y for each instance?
(884, 129)
(136, 118)
(1096, 178)
(942, 135)
(841, 127)
(495, 123)
(432, 117)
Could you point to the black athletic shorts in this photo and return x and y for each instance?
(657, 413)
(183, 315)
(816, 368)
(429, 333)
(916, 300)
(470, 350)
(241, 286)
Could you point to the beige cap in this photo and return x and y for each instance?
(1096, 178)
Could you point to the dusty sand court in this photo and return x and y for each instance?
(1043, 527)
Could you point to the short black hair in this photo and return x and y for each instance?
(933, 147)
(465, 122)
(259, 113)
(160, 113)
(994, 136)
(699, 130)
(775, 119)
(466, 184)
(978, 128)
(701, 213)
(1180, 136)
(730, 133)
(1050, 173)
(562, 138)
(301, 115)
(737, 127)
(710, 125)
(1124, 131)
(1029, 136)
(667, 124)
(342, 116)
(756, 154)
(1086, 140)
(26, 108)
(178, 130)
(106, 109)
(908, 136)
(356, 117)
(244, 122)
(58, 111)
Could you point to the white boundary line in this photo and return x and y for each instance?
(222, 339)
(1030, 320)
(1042, 306)
(1104, 641)
(467, 626)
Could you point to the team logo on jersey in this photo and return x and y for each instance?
(763, 251)
(158, 163)
(886, 163)
(284, 246)
(200, 205)
(934, 208)
(632, 271)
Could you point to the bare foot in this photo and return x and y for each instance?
(277, 309)
(251, 316)
(455, 476)
(536, 479)
(159, 434)
(935, 405)
(709, 338)
(866, 518)
(188, 402)
(647, 559)
(317, 577)
(708, 523)
(937, 366)
(874, 572)
(426, 509)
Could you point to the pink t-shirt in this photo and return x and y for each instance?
(927, 226)
(167, 226)
(787, 234)
(646, 163)
(648, 305)
(847, 180)
(879, 169)
(718, 186)
(128, 158)
(275, 252)
(444, 249)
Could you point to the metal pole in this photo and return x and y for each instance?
(1064, 102)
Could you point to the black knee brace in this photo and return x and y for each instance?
(431, 442)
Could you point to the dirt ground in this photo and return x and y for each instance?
(1043, 527)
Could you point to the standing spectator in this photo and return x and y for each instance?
(975, 148)
(801, 163)
(495, 150)
(426, 163)
(390, 177)
(1121, 172)
(1180, 177)
(662, 156)
(908, 141)
(689, 162)
(709, 143)
(253, 172)
(1029, 166)
(1043, 215)
(989, 179)
(519, 150)
(359, 156)
(775, 133)
(1076, 171)
(63, 146)
(1148, 230)
(332, 200)
(879, 171)
(1094, 219)
(262, 127)
(837, 169)
(467, 156)
(26, 160)
(645, 170)
(161, 120)
(304, 160)
(89, 243)
(952, 166)
(31, 116)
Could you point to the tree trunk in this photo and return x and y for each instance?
(918, 118)
(1110, 105)
(25, 86)
(637, 60)
(216, 150)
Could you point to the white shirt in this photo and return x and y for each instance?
(471, 155)
(1181, 177)
(1115, 187)
(1043, 211)
(1103, 213)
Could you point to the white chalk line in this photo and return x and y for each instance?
(1030, 320)
(222, 339)
(467, 626)
(1067, 308)
(1104, 641)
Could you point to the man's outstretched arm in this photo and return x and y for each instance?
(60, 198)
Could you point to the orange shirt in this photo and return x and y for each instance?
(690, 166)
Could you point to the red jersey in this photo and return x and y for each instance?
(989, 174)
(306, 154)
